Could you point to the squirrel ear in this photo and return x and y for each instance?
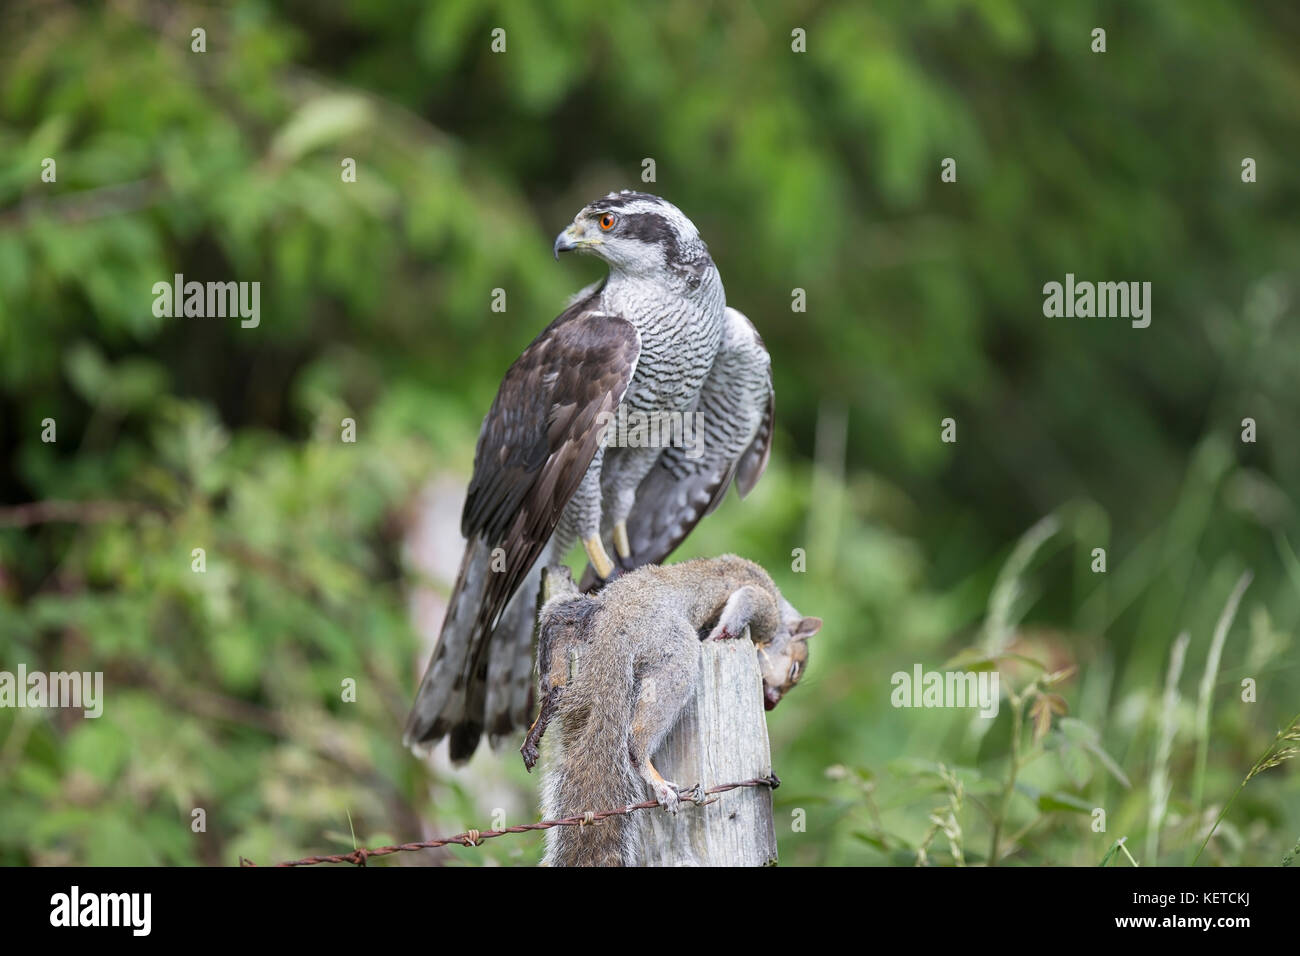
(808, 627)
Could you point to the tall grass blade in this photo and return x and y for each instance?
(1203, 700)
(1160, 785)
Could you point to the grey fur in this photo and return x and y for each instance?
(636, 646)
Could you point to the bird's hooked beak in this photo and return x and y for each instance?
(574, 237)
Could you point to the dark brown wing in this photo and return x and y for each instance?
(540, 436)
(536, 443)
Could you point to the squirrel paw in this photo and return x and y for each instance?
(698, 796)
(666, 794)
(722, 633)
(529, 753)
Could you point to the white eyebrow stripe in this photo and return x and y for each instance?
(670, 214)
(641, 206)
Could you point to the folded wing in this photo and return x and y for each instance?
(536, 443)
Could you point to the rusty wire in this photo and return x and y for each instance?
(359, 856)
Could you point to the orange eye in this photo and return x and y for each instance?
(607, 221)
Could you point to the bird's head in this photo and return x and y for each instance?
(636, 233)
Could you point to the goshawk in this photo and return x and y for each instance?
(626, 419)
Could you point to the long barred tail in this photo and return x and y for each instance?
(455, 697)
(441, 701)
(509, 692)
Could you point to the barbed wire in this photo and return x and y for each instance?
(358, 857)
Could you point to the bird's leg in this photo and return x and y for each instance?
(620, 540)
(625, 472)
(595, 549)
(582, 516)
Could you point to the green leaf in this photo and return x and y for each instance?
(326, 119)
(996, 742)
(1058, 800)
(1080, 733)
(98, 748)
(872, 839)
(1114, 848)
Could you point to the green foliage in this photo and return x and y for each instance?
(817, 170)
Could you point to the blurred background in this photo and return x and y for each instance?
(329, 561)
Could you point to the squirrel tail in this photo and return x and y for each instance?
(592, 771)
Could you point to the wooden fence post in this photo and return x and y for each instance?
(721, 737)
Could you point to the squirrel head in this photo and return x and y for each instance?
(782, 660)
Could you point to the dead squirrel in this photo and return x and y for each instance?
(616, 669)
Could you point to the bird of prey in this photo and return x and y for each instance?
(555, 463)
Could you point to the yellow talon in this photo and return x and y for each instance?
(620, 540)
(597, 556)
